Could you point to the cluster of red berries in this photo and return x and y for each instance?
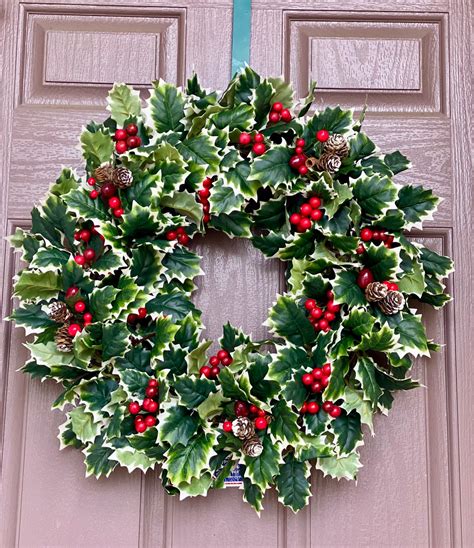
(126, 138)
(279, 113)
(87, 256)
(108, 192)
(243, 409)
(309, 214)
(212, 370)
(365, 277)
(318, 379)
(259, 147)
(133, 318)
(298, 160)
(329, 407)
(178, 234)
(319, 316)
(374, 235)
(203, 198)
(150, 405)
(79, 307)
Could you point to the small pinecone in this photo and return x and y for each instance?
(123, 177)
(328, 162)
(59, 312)
(104, 173)
(392, 303)
(63, 340)
(376, 291)
(337, 145)
(243, 428)
(252, 447)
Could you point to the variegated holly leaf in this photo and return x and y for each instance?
(375, 194)
(288, 320)
(185, 462)
(346, 467)
(262, 469)
(123, 102)
(293, 484)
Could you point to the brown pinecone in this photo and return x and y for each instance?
(252, 447)
(337, 145)
(104, 173)
(376, 291)
(63, 340)
(122, 177)
(392, 303)
(243, 428)
(328, 162)
(59, 312)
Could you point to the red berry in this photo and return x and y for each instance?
(327, 406)
(296, 161)
(259, 138)
(322, 135)
(323, 324)
(304, 408)
(261, 413)
(334, 308)
(204, 193)
(300, 142)
(325, 381)
(76, 236)
(317, 373)
(383, 235)
(181, 230)
(286, 115)
(222, 354)
(316, 215)
(329, 294)
(335, 411)
(214, 360)
(87, 318)
(91, 181)
(138, 418)
(310, 304)
(132, 319)
(206, 208)
(71, 291)
(261, 423)
(146, 403)
(303, 170)
(360, 249)
(299, 150)
(327, 369)
(150, 420)
(274, 117)
(121, 147)
(277, 107)
(316, 313)
(183, 239)
(206, 218)
(153, 382)
(329, 316)
(307, 379)
(366, 234)
(171, 235)
(134, 141)
(142, 313)
(364, 278)
(215, 371)
(227, 361)
(151, 391)
(227, 426)
(393, 286)
(315, 202)
(253, 409)
(295, 218)
(80, 260)
(140, 427)
(134, 407)
(245, 138)
(304, 224)
(241, 409)
(312, 407)
(131, 129)
(120, 135)
(259, 148)
(108, 190)
(316, 387)
(93, 194)
(118, 212)
(114, 202)
(80, 306)
(376, 236)
(205, 370)
(152, 406)
(85, 235)
(73, 329)
(89, 254)
(207, 183)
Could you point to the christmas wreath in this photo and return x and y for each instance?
(107, 290)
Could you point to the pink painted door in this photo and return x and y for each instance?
(411, 59)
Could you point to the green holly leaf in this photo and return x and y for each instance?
(139, 222)
(98, 462)
(240, 117)
(237, 177)
(232, 337)
(340, 467)
(35, 286)
(174, 304)
(233, 387)
(360, 147)
(212, 406)
(262, 102)
(165, 331)
(379, 341)
(413, 281)
(384, 263)
(412, 333)
(182, 264)
(184, 462)
(166, 107)
(434, 264)
(288, 320)
(224, 199)
(201, 151)
(184, 202)
(335, 120)
(262, 469)
(284, 425)
(343, 193)
(115, 340)
(146, 265)
(336, 386)
(348, 432)
(78, 202)
(272, 168)
(262, 388)
(253, 495)
(359, 322)
(132, 459)
(271, 215)
(192, 392)
(32, 318)
(354, 400)
(283, 92)
(286, 361)
(316, 424)
(417, 205)
(396, 162)
(270, 244)
(375, 194)
(293, 484)
(97, 148)
(346, 289)
(83, 425)
(49, 258)
(178, 425)
(97, 393)
(123, 102)
(66, 181)
(101, 301)
(365, 373)
(235, 224)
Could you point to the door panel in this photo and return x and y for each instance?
(407, 59)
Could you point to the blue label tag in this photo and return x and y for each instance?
(234, 479)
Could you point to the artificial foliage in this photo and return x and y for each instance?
(106, 296)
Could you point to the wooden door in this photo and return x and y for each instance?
(411, 59)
